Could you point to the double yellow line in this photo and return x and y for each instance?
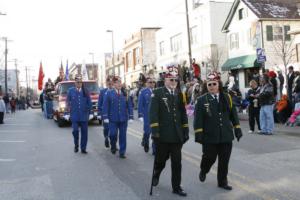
(254, 187)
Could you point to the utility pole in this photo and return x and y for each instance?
(188, 32)
(5, 69)
(17, 76)
(26, 83)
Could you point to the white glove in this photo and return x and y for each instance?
(141, 119)
(91, 117)
(106, 121)
(99, 117)
(130, 121)
(67, 117)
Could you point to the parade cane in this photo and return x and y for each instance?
(151, 188)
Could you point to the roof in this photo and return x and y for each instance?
(266, 9)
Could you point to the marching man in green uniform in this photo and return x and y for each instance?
(215, 124)
(169, 125)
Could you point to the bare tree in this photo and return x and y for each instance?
(284, 47)
(214, 59)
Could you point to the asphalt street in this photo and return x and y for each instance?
(37, 162)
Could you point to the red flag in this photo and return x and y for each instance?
(41, 77)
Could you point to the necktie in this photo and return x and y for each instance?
(216, 98)
(118, 92)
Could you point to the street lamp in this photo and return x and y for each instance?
(112, 44)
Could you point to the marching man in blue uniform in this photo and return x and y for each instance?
(117, 110)
(143, 110)
(109, 84)
(79, 103)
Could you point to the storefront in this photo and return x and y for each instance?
(244, 68)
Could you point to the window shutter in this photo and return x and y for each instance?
(286, 35)
(269, 33)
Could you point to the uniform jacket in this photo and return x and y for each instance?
(144, 103)
(213, 123)
(100, 101)
(79, 104)
(117, 108)
(168, 118)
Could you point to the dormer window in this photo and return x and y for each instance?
(241, 13)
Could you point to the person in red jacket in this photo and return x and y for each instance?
(196, 69)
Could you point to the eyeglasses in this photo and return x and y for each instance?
(173, 79)
(211, 84)
(151, 82)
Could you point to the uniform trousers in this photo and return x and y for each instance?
(210, 154)
(163, 152)
(105, 130)
(114, 127)
(147, 130)
(84, 134)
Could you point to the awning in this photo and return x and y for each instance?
(241, 62)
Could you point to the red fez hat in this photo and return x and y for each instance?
(213, 76)
(172, 71)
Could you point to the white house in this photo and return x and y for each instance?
(206, 18)
(259, 24)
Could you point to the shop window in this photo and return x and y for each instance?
(251, 74)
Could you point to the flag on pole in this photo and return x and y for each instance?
(67, 72)
(41, 77)
(61, 69)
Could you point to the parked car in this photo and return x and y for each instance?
(59, 102)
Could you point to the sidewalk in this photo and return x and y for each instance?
(279, 128)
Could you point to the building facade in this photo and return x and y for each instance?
(208, 47)
(259, 24)
(12, 81)
(117, 67)
(139, 54)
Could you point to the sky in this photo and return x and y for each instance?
(52, 31)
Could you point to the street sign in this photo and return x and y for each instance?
(261, 56)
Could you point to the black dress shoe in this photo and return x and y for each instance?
(155, 179)
(75, 149)
(202, 176)
(180, 192)
(146, 148)
(113, 151)
(122, 156)
(225, 187)
(84, 151)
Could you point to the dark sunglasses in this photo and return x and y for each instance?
(211, 84)
(173, 79)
